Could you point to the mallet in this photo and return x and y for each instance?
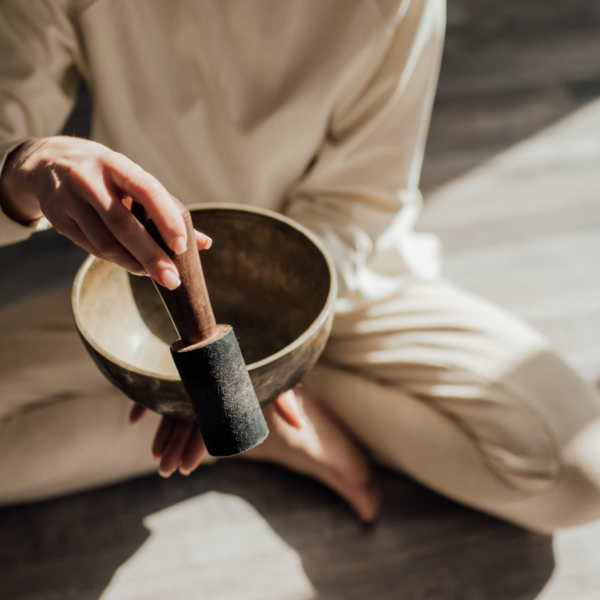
(207, 355)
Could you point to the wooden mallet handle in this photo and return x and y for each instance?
(189, 304)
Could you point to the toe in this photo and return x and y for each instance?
(369, 505)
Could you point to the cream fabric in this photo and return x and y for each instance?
(435, 383)
(319, 109)
(468, 400)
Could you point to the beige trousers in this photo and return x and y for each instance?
(436, 383)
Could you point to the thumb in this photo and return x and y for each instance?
(288, 406)
(136, 414)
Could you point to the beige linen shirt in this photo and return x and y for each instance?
(315, 108)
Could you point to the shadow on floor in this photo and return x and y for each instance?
(423, 546)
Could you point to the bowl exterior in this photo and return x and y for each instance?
(166, 395)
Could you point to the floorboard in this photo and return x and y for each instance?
(253, 531)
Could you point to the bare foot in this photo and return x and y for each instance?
(306, 439)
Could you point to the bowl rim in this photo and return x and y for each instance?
(323, 315)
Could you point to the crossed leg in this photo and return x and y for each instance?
(435, 383)
(468, 400)
(63, 427)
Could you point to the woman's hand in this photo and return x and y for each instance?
(85, 190)
(179, 445)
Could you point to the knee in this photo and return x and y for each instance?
(573, 500)
(513, 439)
(538, 430)
(565, 491)
(577, 490)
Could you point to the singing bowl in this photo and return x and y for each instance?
(267, 277)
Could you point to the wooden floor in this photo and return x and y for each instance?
(512, 178)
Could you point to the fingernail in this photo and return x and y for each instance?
(170, 280)
(164, 475)
(209, 243)
(184, 472)
(179, 245)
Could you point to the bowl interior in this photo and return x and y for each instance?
(265, 278)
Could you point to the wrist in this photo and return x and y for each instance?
(16, 200)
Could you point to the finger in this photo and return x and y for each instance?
(139, 243)
(136, 414)
(193, 454)
(162, 437)
(202, 240)
(287, 405)
(173, 452)
(136, 239)
(144, 188)
(95, 230)
(71, 230)
(106, 220)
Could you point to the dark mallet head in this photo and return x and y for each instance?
(217, 382)
(208, 357)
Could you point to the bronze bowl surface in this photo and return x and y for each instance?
(267, 277)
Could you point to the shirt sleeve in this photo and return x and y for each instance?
(361, 195)
(38, 82)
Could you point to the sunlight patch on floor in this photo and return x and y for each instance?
(523, 230)
(212, 546)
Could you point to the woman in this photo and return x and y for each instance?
(318, 110)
